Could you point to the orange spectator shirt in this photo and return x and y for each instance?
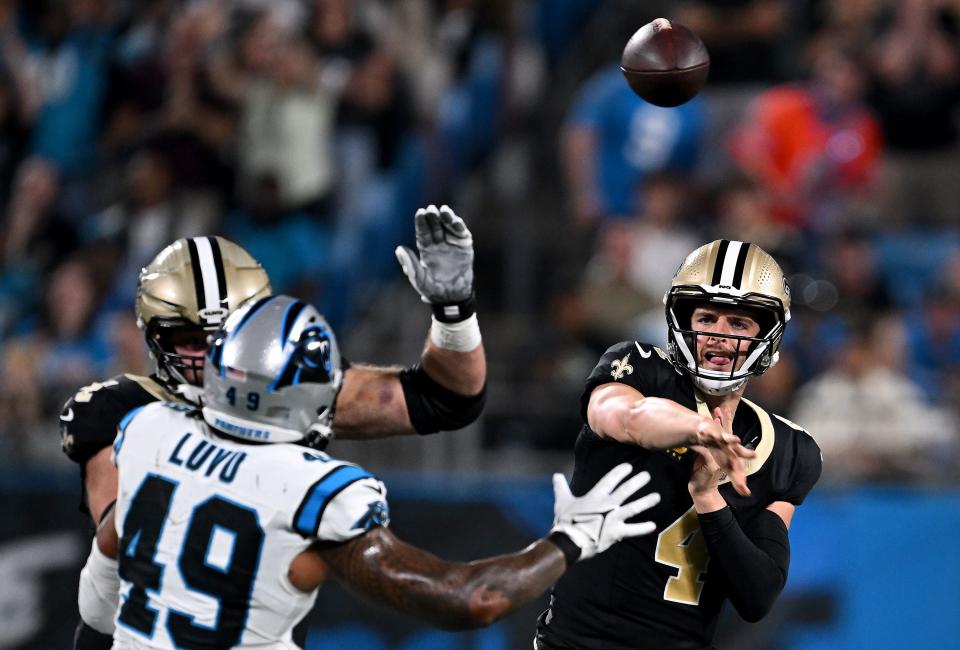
(800, 155)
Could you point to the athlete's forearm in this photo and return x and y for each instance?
(651, 422)
(100, 484)
(464, 373)
(450, 595)
(752, 561)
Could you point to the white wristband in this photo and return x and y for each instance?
(458, 337)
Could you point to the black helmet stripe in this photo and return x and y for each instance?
(741, 263)
(731, 260)
(718, 265)
(218, 266)
(197, 274)
(208, 276)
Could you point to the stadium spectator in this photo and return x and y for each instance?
(872, 421)
(162, 99)
(742, 209)
(292, 246)
(933, 343)
(815, 147)
(148, 215)
(286, 116)
(915, 65)
(851, 266)
(61, 60)
(65, 348)
(12, 137)
(612, 139)
(622, 290)
(748, 40)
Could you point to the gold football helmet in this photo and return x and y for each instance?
(734, 274)
(191, 287)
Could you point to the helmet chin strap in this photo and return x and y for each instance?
(318, 436)
(712, 385)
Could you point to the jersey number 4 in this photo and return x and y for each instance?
(230, 582)
(681, 545)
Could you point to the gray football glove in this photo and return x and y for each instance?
(443, 274)
(596, 521)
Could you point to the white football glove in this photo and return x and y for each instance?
(443, 274)
(596, 521)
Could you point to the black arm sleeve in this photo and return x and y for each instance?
(752, 561)
(432, 407)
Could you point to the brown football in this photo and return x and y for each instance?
(665, 63)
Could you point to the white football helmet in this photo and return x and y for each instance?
(732, 274)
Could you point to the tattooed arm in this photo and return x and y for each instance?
(451, 595)
(460, 595)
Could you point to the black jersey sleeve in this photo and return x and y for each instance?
(806, 465)
(638, 365)
(89, 419)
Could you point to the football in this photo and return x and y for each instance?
(665, 63)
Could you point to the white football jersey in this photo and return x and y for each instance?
(208, 528)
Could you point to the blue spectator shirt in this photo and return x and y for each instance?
(635, 138)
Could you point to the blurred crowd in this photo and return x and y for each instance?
(308, 131)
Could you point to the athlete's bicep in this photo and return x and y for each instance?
(784, 510)
(100, 482)
(608, 404)
(371, 404)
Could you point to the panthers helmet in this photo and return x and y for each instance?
(273, 374)
(733, 274)
(193, 284)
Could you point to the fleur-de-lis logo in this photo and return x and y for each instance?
(621, 367)
(66, 442)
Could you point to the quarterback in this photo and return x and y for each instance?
(731, 474)
(187, 292)
(227, 516)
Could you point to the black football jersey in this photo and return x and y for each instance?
(657, 591)
(89, 419)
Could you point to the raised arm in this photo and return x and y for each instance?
(458, 595)
(445, 389)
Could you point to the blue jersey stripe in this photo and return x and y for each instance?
(311, 510)
(122, 428)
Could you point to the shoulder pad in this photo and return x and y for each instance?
(89, 419)
(343, 503)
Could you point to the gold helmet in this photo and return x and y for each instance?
(192, 285)
(734, 274)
